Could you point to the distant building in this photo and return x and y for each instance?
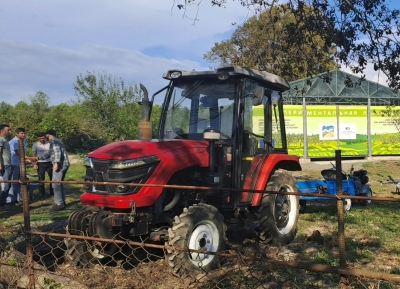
(337, 110)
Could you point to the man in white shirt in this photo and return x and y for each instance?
(41, 149)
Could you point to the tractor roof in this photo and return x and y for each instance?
(261, 76)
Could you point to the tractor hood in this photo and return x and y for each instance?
(133, 149)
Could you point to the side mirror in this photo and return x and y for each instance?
(258, 95)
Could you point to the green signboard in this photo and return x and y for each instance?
(344, 127)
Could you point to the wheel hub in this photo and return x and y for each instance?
(205, 238)
(282, 210)
(203, 241)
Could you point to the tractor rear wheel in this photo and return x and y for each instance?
(199, 227)
(277, 214)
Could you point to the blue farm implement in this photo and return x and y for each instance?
(353, 184)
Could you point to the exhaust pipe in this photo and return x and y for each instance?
(145, 127)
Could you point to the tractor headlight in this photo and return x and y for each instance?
(88, 162)
(128, 164)
(176, 74)
(223, 75)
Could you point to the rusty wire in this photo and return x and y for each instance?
(42, 255)
(203, 188)
(139, 257)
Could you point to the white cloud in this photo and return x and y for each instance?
(28, 68)
(45, 45)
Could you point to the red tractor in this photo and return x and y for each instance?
(223, 129)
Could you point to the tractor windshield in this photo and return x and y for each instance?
(195, 105)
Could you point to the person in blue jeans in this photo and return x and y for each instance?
(5, 162)
(60, 161)
(19, 135)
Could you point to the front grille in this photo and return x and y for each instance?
(100, 166)
(101, 172)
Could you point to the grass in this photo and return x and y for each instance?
(40, 206)
(372, 234)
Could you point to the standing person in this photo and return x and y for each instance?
(59, 159)
(41, 149)
(19, 135)
(5, 161)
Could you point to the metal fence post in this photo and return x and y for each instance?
(340, 208)
(27, 221)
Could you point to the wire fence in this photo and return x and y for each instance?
(51, 256)
(143, 264)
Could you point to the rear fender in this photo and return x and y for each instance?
(257, 179)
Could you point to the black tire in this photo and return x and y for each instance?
(80, 252)
(277, 215)
(77, 252)
(366, 203)
(198, 227)
(100, 250)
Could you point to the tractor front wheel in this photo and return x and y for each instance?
(278, 214)
(87, 222)
(200, 227)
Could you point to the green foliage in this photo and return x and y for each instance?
(11, 262)
(29, 114)
(50, 283)
(361, 32)
(155, 117)
(110, 109)
(105, 110)
(266, 42)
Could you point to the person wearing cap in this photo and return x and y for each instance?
(60, 161)
(41, 149)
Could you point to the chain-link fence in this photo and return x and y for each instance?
(142, 264)
(53, 256)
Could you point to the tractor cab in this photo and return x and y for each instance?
(243, 109)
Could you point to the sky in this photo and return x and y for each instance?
(45, 45)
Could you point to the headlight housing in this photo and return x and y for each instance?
(88, 163)
(128, 164)
(176, 74)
